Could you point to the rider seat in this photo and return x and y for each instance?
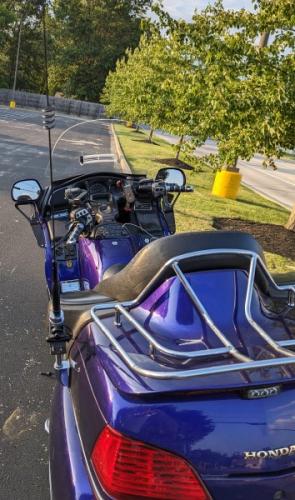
(127, 283)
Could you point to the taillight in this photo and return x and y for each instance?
(130, 469)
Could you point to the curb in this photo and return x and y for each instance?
(124, 165)
(266, 196)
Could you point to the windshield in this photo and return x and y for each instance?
(74, 139)
(25, 146)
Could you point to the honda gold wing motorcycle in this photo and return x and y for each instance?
(174, 352)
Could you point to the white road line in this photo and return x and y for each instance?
(81, 142)
(275, 176)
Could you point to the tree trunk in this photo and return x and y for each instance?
(151, 135)
(179, 147)
(291, 221)
(233, 167)
(263, 39)
(17, 57)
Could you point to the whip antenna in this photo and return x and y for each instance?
(57, 336)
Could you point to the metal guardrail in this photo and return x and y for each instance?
(283, 356)
(61, 104)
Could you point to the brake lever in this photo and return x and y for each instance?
(73, 235)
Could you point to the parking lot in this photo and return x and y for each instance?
(25, 392)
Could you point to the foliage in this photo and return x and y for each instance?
(85, 39)
(208, 78)
(89, 36)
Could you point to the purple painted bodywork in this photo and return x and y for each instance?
(96, 256)
(206, 420)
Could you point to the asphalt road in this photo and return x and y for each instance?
(24, 393)
(278, 185)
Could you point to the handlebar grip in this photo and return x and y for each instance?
(145, 187)
(75, 233)
(175, 188)
(188, 189)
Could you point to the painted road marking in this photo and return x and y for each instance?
(15, 115)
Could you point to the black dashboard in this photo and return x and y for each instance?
(107, 198)
(100, 190)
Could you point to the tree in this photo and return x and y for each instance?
(31, 58)
(156, 85)
(89, 36)
(133, 90)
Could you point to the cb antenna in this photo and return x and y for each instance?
(57, 335)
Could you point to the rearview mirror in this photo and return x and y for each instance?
(26, 191)
(171, 176)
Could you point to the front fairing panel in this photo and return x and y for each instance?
(96, 256)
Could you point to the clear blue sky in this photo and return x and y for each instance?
(185, 8)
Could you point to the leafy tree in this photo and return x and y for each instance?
(154, 84)
(89, 36)
(24, 14)
(209, 78)
(132, 92)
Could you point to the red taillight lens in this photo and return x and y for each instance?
(127, 468)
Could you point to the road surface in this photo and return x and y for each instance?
(278, 185)
(25, 394)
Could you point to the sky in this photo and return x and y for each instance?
(185, 8)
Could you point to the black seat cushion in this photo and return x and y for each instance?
(130, 282)
(77, 306)
(110, 271)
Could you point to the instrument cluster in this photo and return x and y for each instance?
(97, 188)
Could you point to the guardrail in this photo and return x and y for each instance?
(61, 104)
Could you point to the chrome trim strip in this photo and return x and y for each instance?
(170, 352)
(255, 326)
(203, 312)
(184, 374)
(286, 343)
(246, 362)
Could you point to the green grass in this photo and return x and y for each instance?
(195, 211)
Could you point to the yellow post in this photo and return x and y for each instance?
(12, 104)
(227, 184)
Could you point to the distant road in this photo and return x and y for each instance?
(278, 185)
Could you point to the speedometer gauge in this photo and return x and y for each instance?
(97, 188)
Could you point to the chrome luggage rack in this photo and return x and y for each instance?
(284, 355)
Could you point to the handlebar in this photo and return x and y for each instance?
(175, 188)
(160, 188)
(83, 218)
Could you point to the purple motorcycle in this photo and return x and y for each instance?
(174, 352)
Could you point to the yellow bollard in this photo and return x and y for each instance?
(130, 124)
(12, 104)
(227, 184)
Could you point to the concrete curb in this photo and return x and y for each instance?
(124, 165)
(266, 197)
